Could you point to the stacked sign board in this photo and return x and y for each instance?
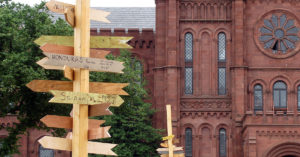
(74, 56)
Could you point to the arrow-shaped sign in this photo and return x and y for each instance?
(49, 67)
(70, 16)
(99, 133)
(60, 7)
(95, 87)
(94, 134)
(67, 122)
(91, 64)
(99, 110)
(66, 144)
(69, 50)
(85, 98)
(96, 41)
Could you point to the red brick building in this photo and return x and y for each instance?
(230, 70)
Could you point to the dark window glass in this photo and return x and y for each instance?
(298, 98)
(188, 142)
(138, 67)
(188, 80)
(43, 152)
(188, 47)
(222, 144)
(222, 46)
(258, 98)
(280, 95)
(222, 81)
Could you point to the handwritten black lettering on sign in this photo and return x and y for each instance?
(85, 98)
(92, 64)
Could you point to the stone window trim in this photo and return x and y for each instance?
(280, 96)
(222, 59)
(258, 103)
(223, 144)
(188, 58)
(262, 22)
(189, 139)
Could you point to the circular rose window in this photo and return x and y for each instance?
(277, 34)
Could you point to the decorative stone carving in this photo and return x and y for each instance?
(279, 133)
(206, 105)
(205, 115)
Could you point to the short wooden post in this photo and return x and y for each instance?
(81, 78)
(169, 125)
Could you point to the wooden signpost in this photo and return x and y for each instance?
(73, 55)
(170, 150)
(93, 64)
(95, 87)
(96, 41)
(66, 144)
(85, 98)
(69, 50)
(64, 8)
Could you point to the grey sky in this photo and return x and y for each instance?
(103, 3)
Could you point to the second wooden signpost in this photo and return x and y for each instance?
(72, 55)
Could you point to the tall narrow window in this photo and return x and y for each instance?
(43, 152)
(258, 98)
(279, 95)
(188, 63)
(222, 143)
(188, 142)
(298, 98)
(222, 64)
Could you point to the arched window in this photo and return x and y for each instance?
(222, 64)
(188, 142)
(188, 63)
(298, 98)
(222, 143)
(43, 152)
(258, 98)
(280, 95)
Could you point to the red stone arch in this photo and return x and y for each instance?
(295, 87)
(264, 85)
(222, 30)
(228, 137)
(284, 149)
(194, 134)
(205, 125)
(283, 78)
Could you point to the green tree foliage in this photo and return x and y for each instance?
(20, 25)
(131, 126)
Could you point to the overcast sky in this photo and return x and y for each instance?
(103, 3)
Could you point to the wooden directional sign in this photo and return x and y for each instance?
(85, 98)
(95, 87)
(49, 67)
(99, 110)
(99, 133)
(66, 144)
(91, 64)
(69, 50)
(67, 122)
(95, 42)
(70, 16)
(59, 7)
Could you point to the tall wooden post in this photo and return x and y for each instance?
(81, 78)
(169, 126)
